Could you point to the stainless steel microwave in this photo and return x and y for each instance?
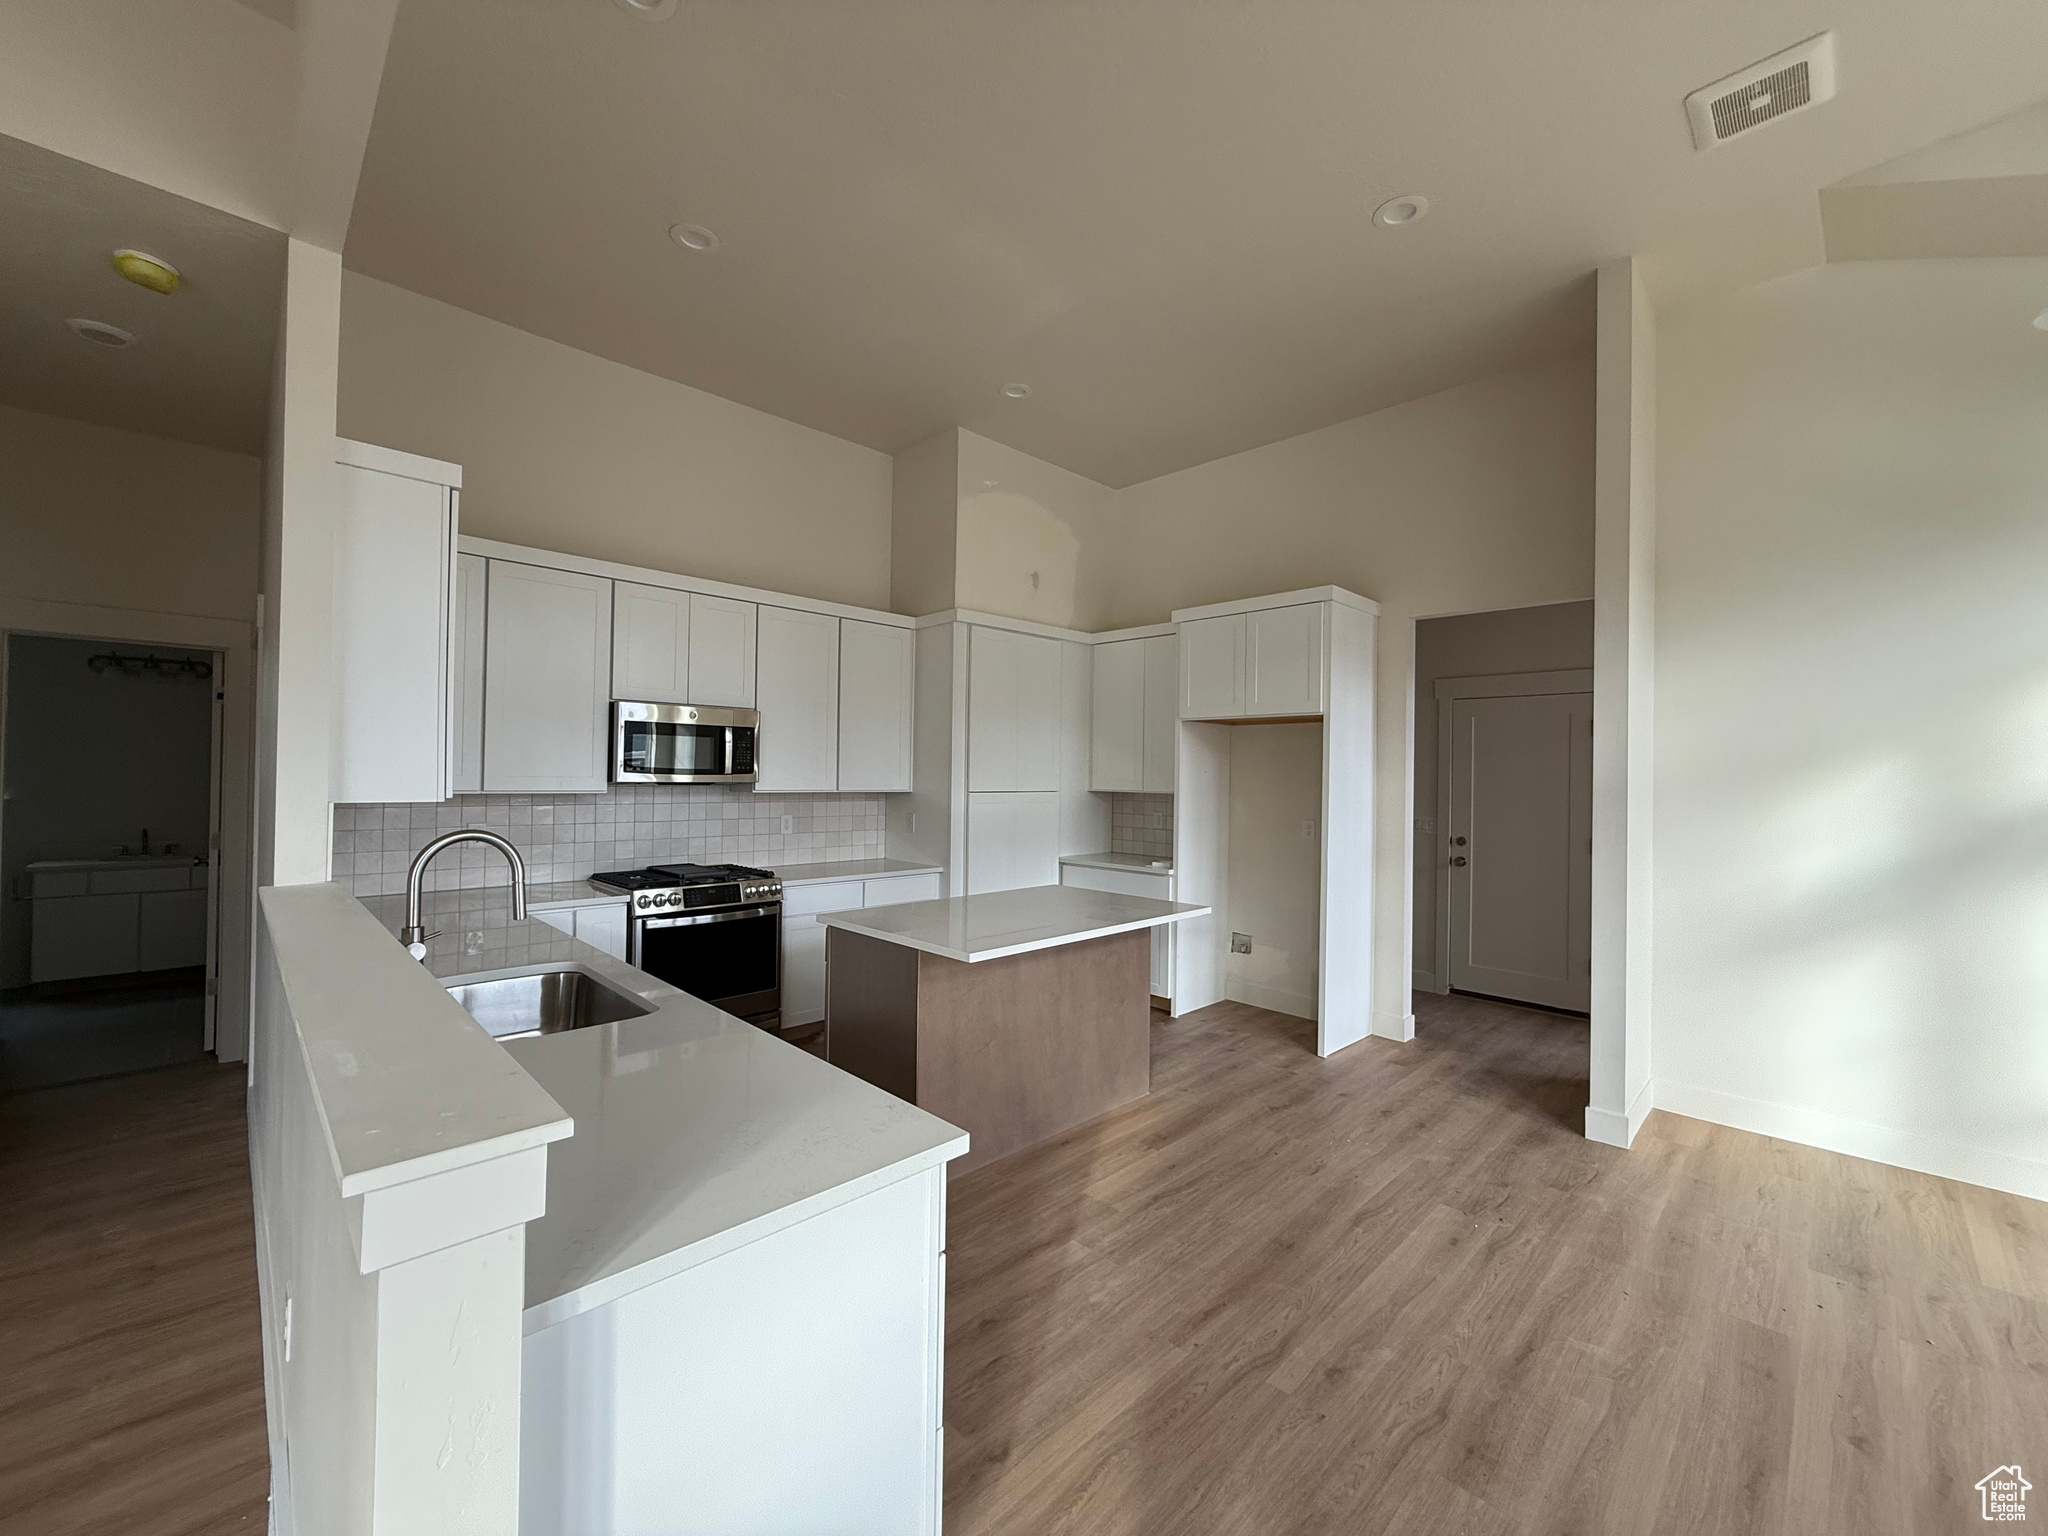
(682, 744)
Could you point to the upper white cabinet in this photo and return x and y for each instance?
(1261, 664)
(1132, 739)
(466, 676)
(1013, 840)
(797, 693)
(1212, 667)
(394, 553)
(1284, 661)
(721, 652)
(650, 644)
(1013, 711)
(1116, 739)
(547, 675)
(671, 647)
(877, 678)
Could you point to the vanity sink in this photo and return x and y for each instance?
(544, 1003)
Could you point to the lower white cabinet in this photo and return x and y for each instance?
(1134, 882)
(803, 936)
(114, 922)
(602, 927)
(1013, 840)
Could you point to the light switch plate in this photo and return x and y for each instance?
(1240, 943)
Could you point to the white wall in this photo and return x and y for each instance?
(566, 451)
(924, 527)
(1035, 541)
(1554, 638)
(1480, 497)
(1275, 883)
(1852, 738)
(118, 520)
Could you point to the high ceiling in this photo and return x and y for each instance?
(200, 367)
(1156, 213)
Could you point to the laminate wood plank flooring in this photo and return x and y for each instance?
(131, 1372)
(1398, 1291)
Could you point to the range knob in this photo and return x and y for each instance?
(643, 901)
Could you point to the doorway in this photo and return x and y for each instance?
(111, 758)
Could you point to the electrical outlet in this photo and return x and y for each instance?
(1240, 943)
(788, 824)
(1308, 831)
(913, 823)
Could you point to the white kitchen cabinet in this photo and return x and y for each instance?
(466, 676)
(1162, 719)
(896, 890)
(1134, 882)
(1013, 840)
(877, 677)
(1212, 667)
(803, 971)
(722, 633)
(170, 929)
(797, 692)
(1013, 711)
(1284, 661)
(77, 936)
(394, 552)
(650, 644)
(1116, 738)
(601, 926)
(547, 680)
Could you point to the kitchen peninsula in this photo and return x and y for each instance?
(1015, 1015)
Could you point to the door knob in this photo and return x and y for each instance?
(1458, 862)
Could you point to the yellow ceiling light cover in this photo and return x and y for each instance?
(147, 271)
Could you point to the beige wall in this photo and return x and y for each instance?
(1035, 541)
(1852, 726)
(117, 520)
(1275, 887)
(1553, 638)
(924, 531)
(569, 452)
(1480, 497)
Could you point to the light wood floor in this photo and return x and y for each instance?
(1397, 1291)
(131, 1375)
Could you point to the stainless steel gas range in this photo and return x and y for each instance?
(712, 930)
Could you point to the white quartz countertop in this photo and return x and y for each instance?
(850, 869)
(561, 895)
(695, 1132)
(977, 928)
(1137, 863)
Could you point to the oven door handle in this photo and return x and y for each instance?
(710, 917)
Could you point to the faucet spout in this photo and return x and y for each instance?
(412, 936)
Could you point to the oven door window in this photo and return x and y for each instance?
(654, 746)
(719, 956)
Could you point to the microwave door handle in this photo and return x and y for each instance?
(730, 732)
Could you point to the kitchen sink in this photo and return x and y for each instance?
(544, 1003)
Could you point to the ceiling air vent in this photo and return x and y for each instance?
(1787, 82)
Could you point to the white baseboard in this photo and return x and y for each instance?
(1616, 1128)
(1276, 998)
(1394, 1026)
(1425, 981)
(1857, 1138)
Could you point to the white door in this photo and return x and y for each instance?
(547, 680)
(877, 676)
(1013, 840)
(1013, 710)
(1284, 661)
(1212, 668)
(1519, 843)
(797, 692)
(651, 644)
(1117, 731)
(721, 651)
(1162, 716)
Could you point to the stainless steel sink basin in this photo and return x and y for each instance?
(544, 1003)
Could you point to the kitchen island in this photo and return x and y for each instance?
(1015, 1015)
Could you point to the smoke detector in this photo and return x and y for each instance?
(1802, 76)
(100, 334)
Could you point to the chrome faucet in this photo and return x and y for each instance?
(411, 936)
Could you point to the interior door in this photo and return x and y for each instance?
(1520, 847)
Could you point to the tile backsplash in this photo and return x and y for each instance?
(1141, 824)
(569, 837)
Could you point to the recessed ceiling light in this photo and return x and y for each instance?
(649, 10)
(1396, 211)
(100, 334)
(1017, 391)
(2041, 321)
(146, 271)
(693, 237)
